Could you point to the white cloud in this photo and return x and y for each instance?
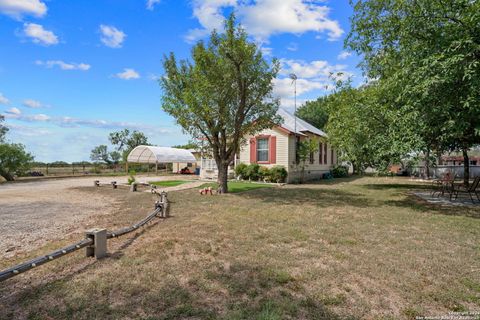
(284, 88)
(14, 111)
(18, 8)
(309, 70)
(264, 18)
(39, 35)
(152, 3)
(209, 14)
(63, 65)
(34, 104)
(292, 47)
(28, 131)
(70, 122)
(3, 99)
(128, 74)
(111, 36)
(313, 79)
(344, 55)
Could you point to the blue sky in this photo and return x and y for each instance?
(73, 71)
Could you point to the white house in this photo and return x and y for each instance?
(277, 146)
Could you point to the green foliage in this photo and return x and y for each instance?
(264, 173)
(100, 153)
(304, 149)
(189, 145)
(3, 129)
(223, 94)
(168, 183)
(115, 156)
(252, 172)
(125, 141)
(278, 174)
(131, 178)
(340, 172)
(427, 56)
(315, 112)
(14, 160)
(238, 186)
(240, 170)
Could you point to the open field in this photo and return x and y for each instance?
(348, 249)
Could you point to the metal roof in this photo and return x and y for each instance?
(302, 126)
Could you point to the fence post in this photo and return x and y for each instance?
(165, 206)
(99, 247)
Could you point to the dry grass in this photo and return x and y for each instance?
(351, 249)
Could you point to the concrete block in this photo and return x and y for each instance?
(99, 247)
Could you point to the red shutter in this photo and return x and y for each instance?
(273, 149)
(253, 151)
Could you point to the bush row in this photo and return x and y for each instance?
(255, 172)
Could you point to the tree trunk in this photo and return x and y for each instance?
(427, 163)
(466, 167)
(7, 175)
(222, 177)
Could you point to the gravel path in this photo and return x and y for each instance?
(34, 213)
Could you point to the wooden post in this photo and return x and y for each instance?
(156, 168)
(126, 167)
(47, 170)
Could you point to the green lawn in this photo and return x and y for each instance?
(168, 183)
(346, 249)
(238, 186)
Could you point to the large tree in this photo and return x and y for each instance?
(125, 141)
(427, 52)
(315, 112)
(14, 160)
(224, 93)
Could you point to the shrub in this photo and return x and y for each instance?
(340, 172)
(131, 178)
(251, 172)
(264, 173)
(240, 170)
(278, 174)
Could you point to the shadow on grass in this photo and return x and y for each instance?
(308, 196)
(416, 203)
(248, 292)
(398, 186)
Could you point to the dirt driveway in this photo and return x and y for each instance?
(35, 213)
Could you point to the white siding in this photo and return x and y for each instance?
(281, 152)
(286, 156)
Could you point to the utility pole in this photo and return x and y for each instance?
(293, 76)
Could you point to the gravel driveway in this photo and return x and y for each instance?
(34, 213)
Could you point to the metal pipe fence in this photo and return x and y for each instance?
(90, 242)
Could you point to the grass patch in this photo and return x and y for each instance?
(168, 183)
(238, 186)
(350, 250)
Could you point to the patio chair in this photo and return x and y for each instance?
(444, 184)
(472, 189)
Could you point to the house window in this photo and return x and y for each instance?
(325, 154)
(332, 155)
(320, 153)
(312, 160)
(262, 150)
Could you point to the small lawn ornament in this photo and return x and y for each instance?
(114, 184)
(206, 190)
